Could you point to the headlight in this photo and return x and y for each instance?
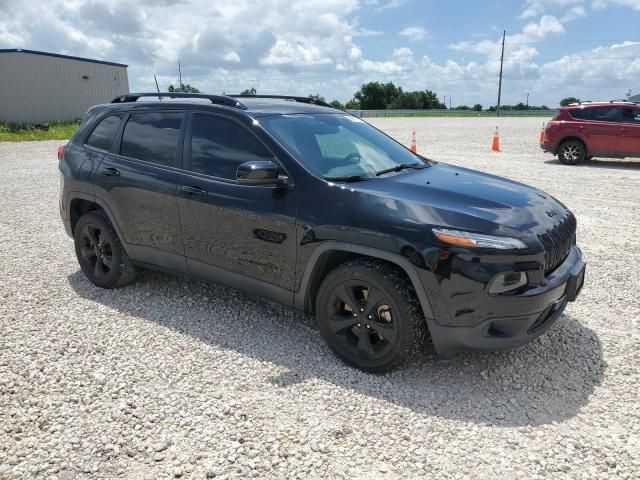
(481, 240)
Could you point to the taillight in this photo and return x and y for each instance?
(60, 152)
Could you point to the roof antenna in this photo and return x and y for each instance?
(157, 87)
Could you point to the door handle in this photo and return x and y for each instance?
(110, 172)
(193, 190)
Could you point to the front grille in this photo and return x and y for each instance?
(557, 242)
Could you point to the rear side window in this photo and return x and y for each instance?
(604, 114)
(103, 134)
(219, 145)
(152, 137)
(581, 113)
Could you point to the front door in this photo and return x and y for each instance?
(629, 141)
(238, 234)
(603, 130)
(137, 182)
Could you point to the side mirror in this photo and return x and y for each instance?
(258, 172)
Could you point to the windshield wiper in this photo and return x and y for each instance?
(349, 178)
(401, 166)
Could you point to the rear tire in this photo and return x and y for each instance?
(571, 152)
(368, 313)
(100, 253)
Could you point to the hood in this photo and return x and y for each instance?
(468, 199)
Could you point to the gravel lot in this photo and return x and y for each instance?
(172, 377)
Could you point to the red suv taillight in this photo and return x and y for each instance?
(60, 152)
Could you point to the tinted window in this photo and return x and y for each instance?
(219, 145)
(604, 114)
(631, 115)
(152, 137)
(581, 114)
(102, 135)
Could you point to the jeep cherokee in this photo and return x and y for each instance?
(302, 204)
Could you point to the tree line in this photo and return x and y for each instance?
(388, 96)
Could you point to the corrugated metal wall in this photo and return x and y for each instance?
(40, 88)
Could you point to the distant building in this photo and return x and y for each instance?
(39, 87)
(634, 98)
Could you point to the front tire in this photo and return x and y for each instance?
(571, 152)
(100, 253)
(368, 313)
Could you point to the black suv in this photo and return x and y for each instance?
(297, 202)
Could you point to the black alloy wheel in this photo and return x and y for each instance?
(96, 251)
(368, 313)
(362, 319)
(100, 253)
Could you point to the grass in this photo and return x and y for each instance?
(24, 133)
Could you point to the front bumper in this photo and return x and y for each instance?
(513, 320)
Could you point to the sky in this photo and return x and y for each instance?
(554, 48)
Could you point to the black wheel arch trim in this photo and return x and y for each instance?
(94, 199)
(301, 296)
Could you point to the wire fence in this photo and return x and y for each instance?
(451, 113)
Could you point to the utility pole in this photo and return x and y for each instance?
(449, 102)
(504, 33)
(527, 100)
(180, 74)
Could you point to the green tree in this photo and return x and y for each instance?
(463, 107)
(337, 104)
(249, 91)
(183, 88)
(352, 104)
(371, 96)
(318, 97)
(477, 107)
(566, 101)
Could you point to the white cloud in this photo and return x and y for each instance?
(571, 9)
(312, 46)
(414, 33)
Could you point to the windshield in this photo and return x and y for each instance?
(338, 145)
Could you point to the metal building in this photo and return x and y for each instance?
(39, 87)
(635, 98)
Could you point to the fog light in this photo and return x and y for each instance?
(505, 282)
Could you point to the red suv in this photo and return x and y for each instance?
(594, 129)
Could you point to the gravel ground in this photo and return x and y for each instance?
(172, 377)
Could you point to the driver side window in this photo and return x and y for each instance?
(631, 115)
(219, 145)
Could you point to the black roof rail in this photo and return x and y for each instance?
(217, 99)
(310, 100)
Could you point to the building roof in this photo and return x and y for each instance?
(69, 57)
(634, 98)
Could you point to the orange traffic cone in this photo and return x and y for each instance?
(542, 134)
(495, 145)
(414, 145)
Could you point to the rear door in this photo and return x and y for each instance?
(602, 130)
(227, 227)
(629, 141)
(137, 182)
